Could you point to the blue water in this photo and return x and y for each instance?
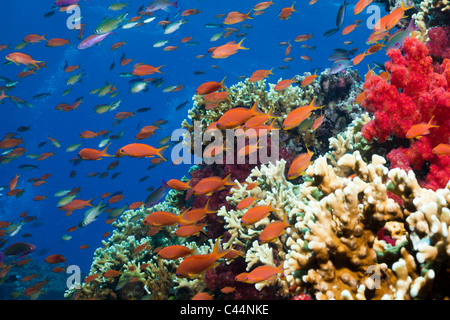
(20, 18)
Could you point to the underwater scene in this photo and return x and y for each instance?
(225, 150)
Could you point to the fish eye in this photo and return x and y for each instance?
(122, 150)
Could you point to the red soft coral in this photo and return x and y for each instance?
(415, 93)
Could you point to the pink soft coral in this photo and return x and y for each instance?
(415, 93)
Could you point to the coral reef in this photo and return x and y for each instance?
(413, 94)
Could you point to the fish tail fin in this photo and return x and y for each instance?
(292, 7)
(221, 83)
(174, 4)
(248, 14)
(159, 152)
(273, 125)
(157, 69)
(255, 109)
(104, 151)
(271, 114)
(88, 203)
(228, 181)
(239, 45)
(208, 208)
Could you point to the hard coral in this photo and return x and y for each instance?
(414, 94)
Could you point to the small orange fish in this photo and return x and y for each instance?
(421, 129)
(349, 28)
(236, 17)
(57, 42)
(358, 58)
(112, 274)
(227, 290)
(210, 86)
(178, 185)
(190, 230)
(255, 214)
(140, 150)
(309, 79)
(145, 70)
(175, 252)
(13, 182)
(273, 230)
(318, 122)
(263, 273)
(283, 84)
(207, 186)
(162, 218)
(303, 37)
(245, 203)
(34, 38)
(22, 58)
(91, 278)
(93, 154)
(194, 215)
(235, 117)
(442, 149)
(361, 5)
(227, 50)
(298, 115)
(259, 75)
(300, 164)
(55, 258)
(197, 264)
(286, 12)
(202, 296)
(262, 5)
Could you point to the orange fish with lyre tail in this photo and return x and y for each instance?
(235, 117)
(140, 150)
(208, 186)
(257, 213)
(309, 79)
(419, 130)
(300, 164)
(286, 12)
(178, 185)
(193, 215)
(145, 69)
(197, 264)
(209, 87)
(259, 75)
(274, 230)
(283, 84)
(236, 17)
(22, 58)
(227, 50)
(263, 273)
(93, 154)
(163, 218)
(175, 252)
(297, 116)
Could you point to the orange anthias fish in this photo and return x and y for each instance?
(300, 164)
(245, 203)
(22, 58)
(259, 75)
(197, 264)
(419, 130)
(175, 252)
(309, 79)
(140, 150)
(262, 5)
(235, 117)
(209, 87)
(360, 5)
(57, 42)
(162, 218)
(442, 149)
(236, 17)
(263, 273)
(255, 214)
(283, 84)
(55, 258)
(145, 69)
(296, 116)
(190, 230)
(93, 154)
(286, 12)
(178, 185)
(193, 215)
(227, 50)
(273, 230)
(208, 186)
